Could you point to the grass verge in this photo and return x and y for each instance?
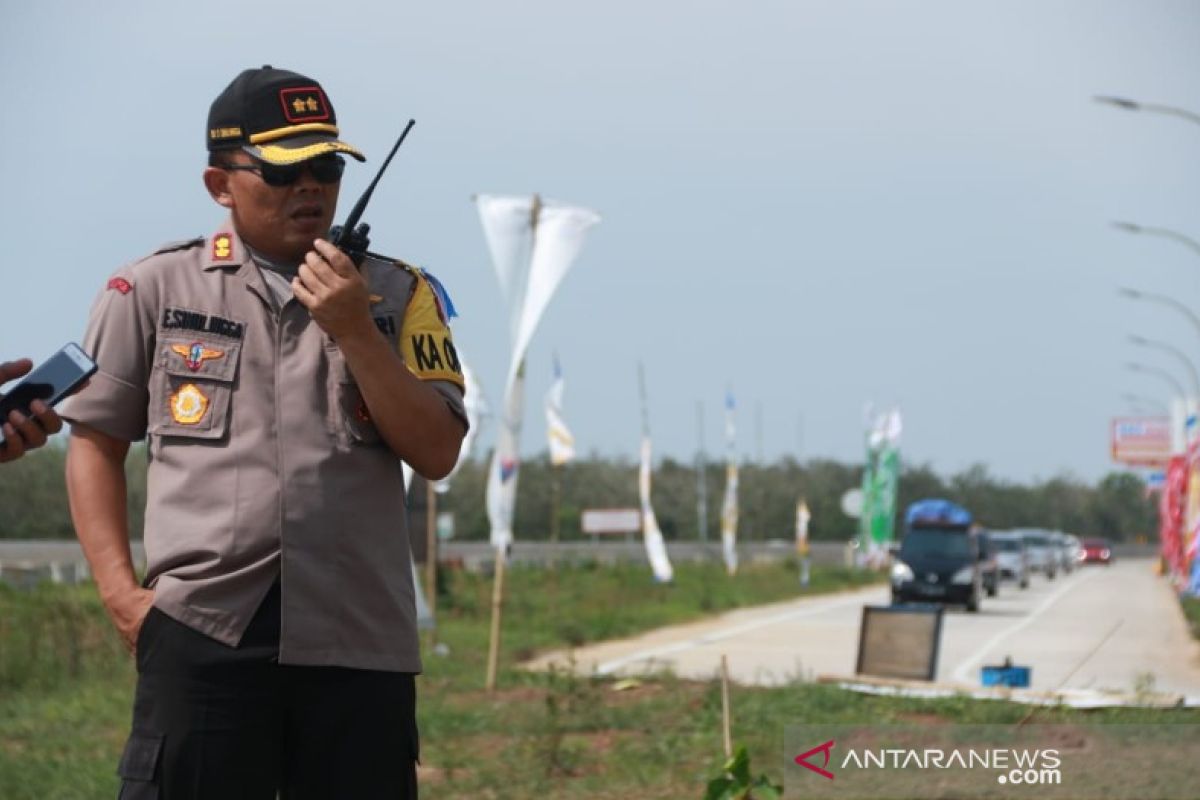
(1191, 610)
(65, 689)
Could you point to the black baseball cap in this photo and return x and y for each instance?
(277, 116)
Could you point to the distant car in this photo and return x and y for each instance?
(1072, 551)
(989, 569)
(938, 560)
(1012, 559)
(1097, 551)
(1060, 549)
(1042, 555)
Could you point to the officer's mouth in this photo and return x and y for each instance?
(308, 215)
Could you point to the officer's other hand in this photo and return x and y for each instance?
(22, 433)
(128, 611)
(333, 291)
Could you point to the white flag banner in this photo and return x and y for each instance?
(557, 242)
(425, 619)
(803, 516)
(477, 408)
(562, 443)
(802, 519)
(729, 506)
(729, 519)
(502, 476)
(507, 226)
(656, 549)
(885, 429)
(533, 244)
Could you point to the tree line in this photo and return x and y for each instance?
(33, 500)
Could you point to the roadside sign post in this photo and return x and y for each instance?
(598, 522)
(900, 641)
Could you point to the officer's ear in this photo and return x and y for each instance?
(216, 180)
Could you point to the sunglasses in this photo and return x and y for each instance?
(324, 169)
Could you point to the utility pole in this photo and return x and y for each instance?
(758, 433)
(701, 477)
(799, 436)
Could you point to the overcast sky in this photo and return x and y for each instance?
(822, 204)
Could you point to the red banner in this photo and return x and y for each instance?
(1170, 515)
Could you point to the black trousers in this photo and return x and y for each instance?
(211, 722)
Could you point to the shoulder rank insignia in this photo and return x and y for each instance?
(196, 354)
(188, 405)
(222, 247)
(121, 285)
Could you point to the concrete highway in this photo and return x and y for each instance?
(1115, 628)
(1102, 628)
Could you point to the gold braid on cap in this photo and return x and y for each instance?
(276, 154)
(292, 130)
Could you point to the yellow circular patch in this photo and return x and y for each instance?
(188, 405)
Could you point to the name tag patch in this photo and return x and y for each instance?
(182, 319)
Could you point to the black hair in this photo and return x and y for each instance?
(221, 159)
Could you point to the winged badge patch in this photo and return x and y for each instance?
(196, 354)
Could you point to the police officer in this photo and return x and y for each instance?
(24, 433)
(279, 387)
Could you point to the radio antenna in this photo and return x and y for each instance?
(351, 239)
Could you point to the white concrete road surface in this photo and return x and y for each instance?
(1113, 628)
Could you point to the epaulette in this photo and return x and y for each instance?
(174, 247)
(439, 291)
(395, 262)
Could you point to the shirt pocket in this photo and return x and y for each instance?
(193, 386)
(349, 418)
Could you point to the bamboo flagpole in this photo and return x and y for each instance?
(533, 244)
(494, 636)
(555, 502)
(431, 554)
(726, 724)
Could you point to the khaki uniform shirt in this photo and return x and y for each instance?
(264, 462)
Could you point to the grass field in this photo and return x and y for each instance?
(1191, 610)
(65, 688)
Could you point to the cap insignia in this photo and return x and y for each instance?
(304, 104)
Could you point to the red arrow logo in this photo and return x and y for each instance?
(802, 759)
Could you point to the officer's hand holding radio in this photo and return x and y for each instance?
(334, 292)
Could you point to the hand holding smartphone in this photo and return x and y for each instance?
(53, 380)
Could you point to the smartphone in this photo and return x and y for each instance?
(50, 381)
